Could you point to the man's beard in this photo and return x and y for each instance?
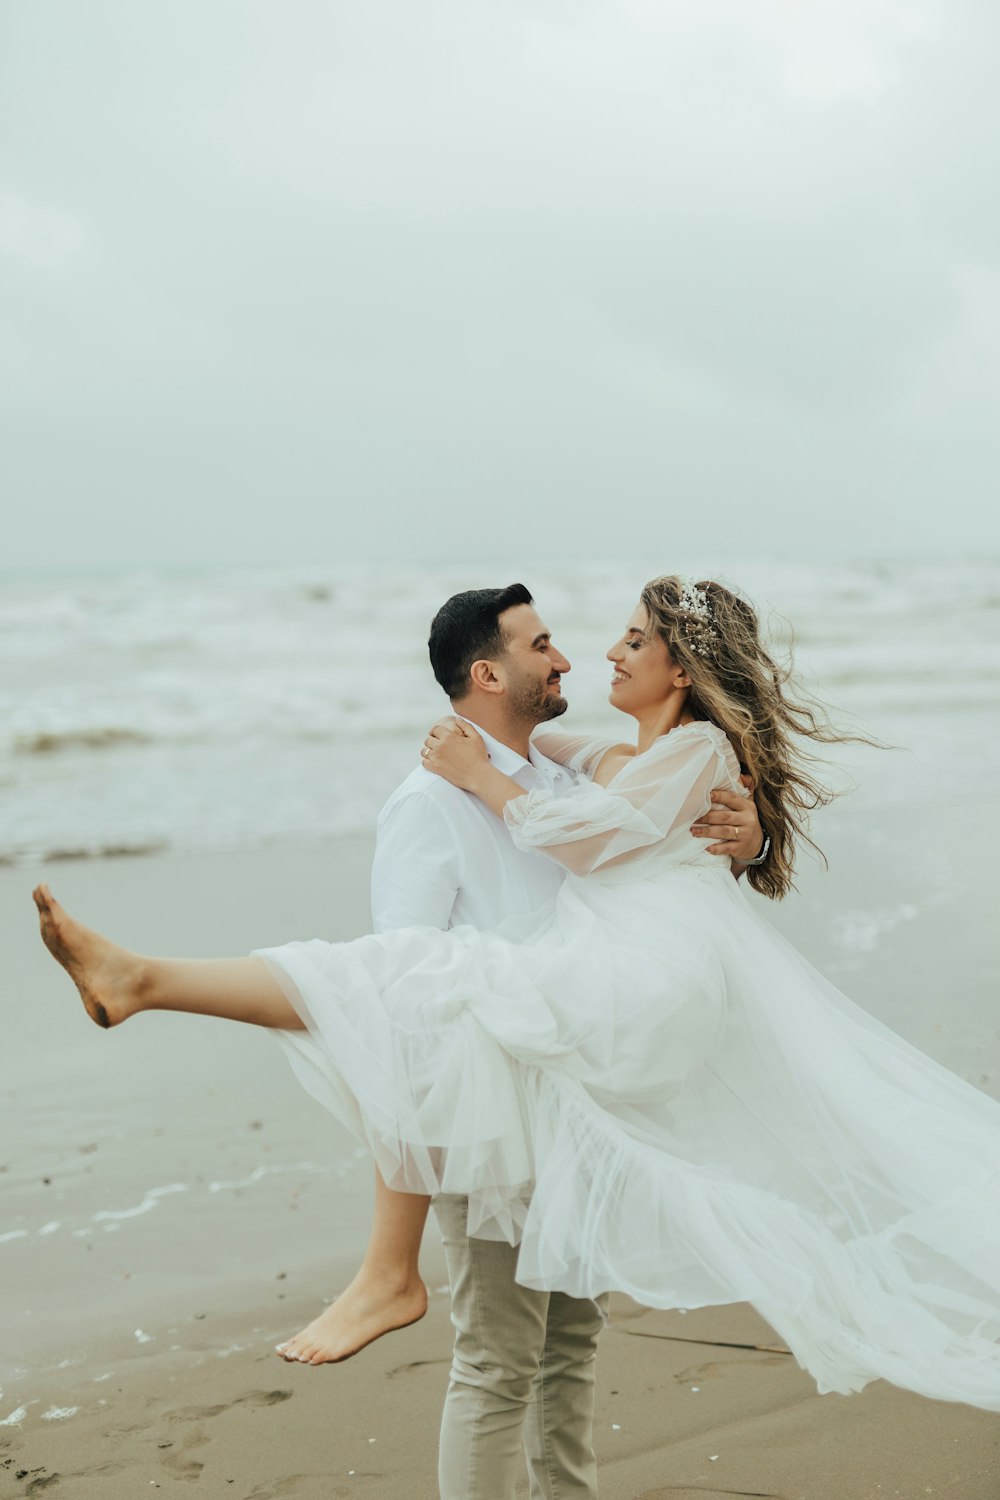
(533, 703)
(551, 707)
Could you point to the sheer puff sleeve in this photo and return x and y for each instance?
(652, 801)
(578, 752)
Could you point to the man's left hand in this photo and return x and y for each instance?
(734, 824)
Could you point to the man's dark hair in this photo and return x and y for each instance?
(466, 629)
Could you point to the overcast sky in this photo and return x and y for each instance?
(309, 280)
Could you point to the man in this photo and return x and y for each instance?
(523, 1367)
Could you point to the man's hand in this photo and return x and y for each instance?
(733, 820)
(455, 751)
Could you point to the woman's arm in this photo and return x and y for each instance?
(455, 751)
(651, 801)
(580, 752)
(642, 796)
(733, 822)
(654, 798)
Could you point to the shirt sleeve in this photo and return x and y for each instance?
(652, 802)
(416, 869)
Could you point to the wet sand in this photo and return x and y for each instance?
(173, 1204)
(687, 1407)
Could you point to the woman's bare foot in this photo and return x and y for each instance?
(366, 1310)
(109, 978)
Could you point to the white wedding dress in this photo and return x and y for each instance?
(654, 1093)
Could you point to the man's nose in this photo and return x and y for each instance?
(560, 663)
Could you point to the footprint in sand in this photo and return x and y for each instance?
(44, 1481)
(250, 1398)
(278, 1488)
(125, 1428)
(103, 1471)
(724, 1367)
(179, 1463)
(181, 1467)
(416, 1364)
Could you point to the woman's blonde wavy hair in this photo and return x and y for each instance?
(737, 685)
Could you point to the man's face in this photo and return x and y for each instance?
(531, 667)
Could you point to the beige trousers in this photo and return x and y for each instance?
(522, 1373)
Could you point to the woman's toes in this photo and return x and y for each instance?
(47, 903)
(295, 1350)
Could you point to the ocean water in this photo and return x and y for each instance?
(146, 710)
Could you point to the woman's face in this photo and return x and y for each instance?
(645, 676)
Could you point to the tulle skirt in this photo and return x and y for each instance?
(652, 1092)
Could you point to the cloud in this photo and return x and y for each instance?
(37, 234)
(814, 53)
(359, 273)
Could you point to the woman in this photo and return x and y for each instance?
(651, 1091)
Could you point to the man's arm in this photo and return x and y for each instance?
(416, 869)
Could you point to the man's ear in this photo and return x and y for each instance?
(747, 780)
(485, 678)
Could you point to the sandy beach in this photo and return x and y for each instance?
(174, 1204)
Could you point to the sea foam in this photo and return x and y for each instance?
(143, 712)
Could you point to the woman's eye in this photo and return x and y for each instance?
(634, 645)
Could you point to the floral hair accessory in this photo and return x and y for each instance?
(698, 624)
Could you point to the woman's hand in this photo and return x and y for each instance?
(734, 820)
(455, 751)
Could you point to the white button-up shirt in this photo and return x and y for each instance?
(443, 858)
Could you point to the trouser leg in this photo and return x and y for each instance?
(559, 1430)
(499, 1340)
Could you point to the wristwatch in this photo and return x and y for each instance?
(746, 863)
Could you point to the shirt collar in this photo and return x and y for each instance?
(508, 761)
(502, 756)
